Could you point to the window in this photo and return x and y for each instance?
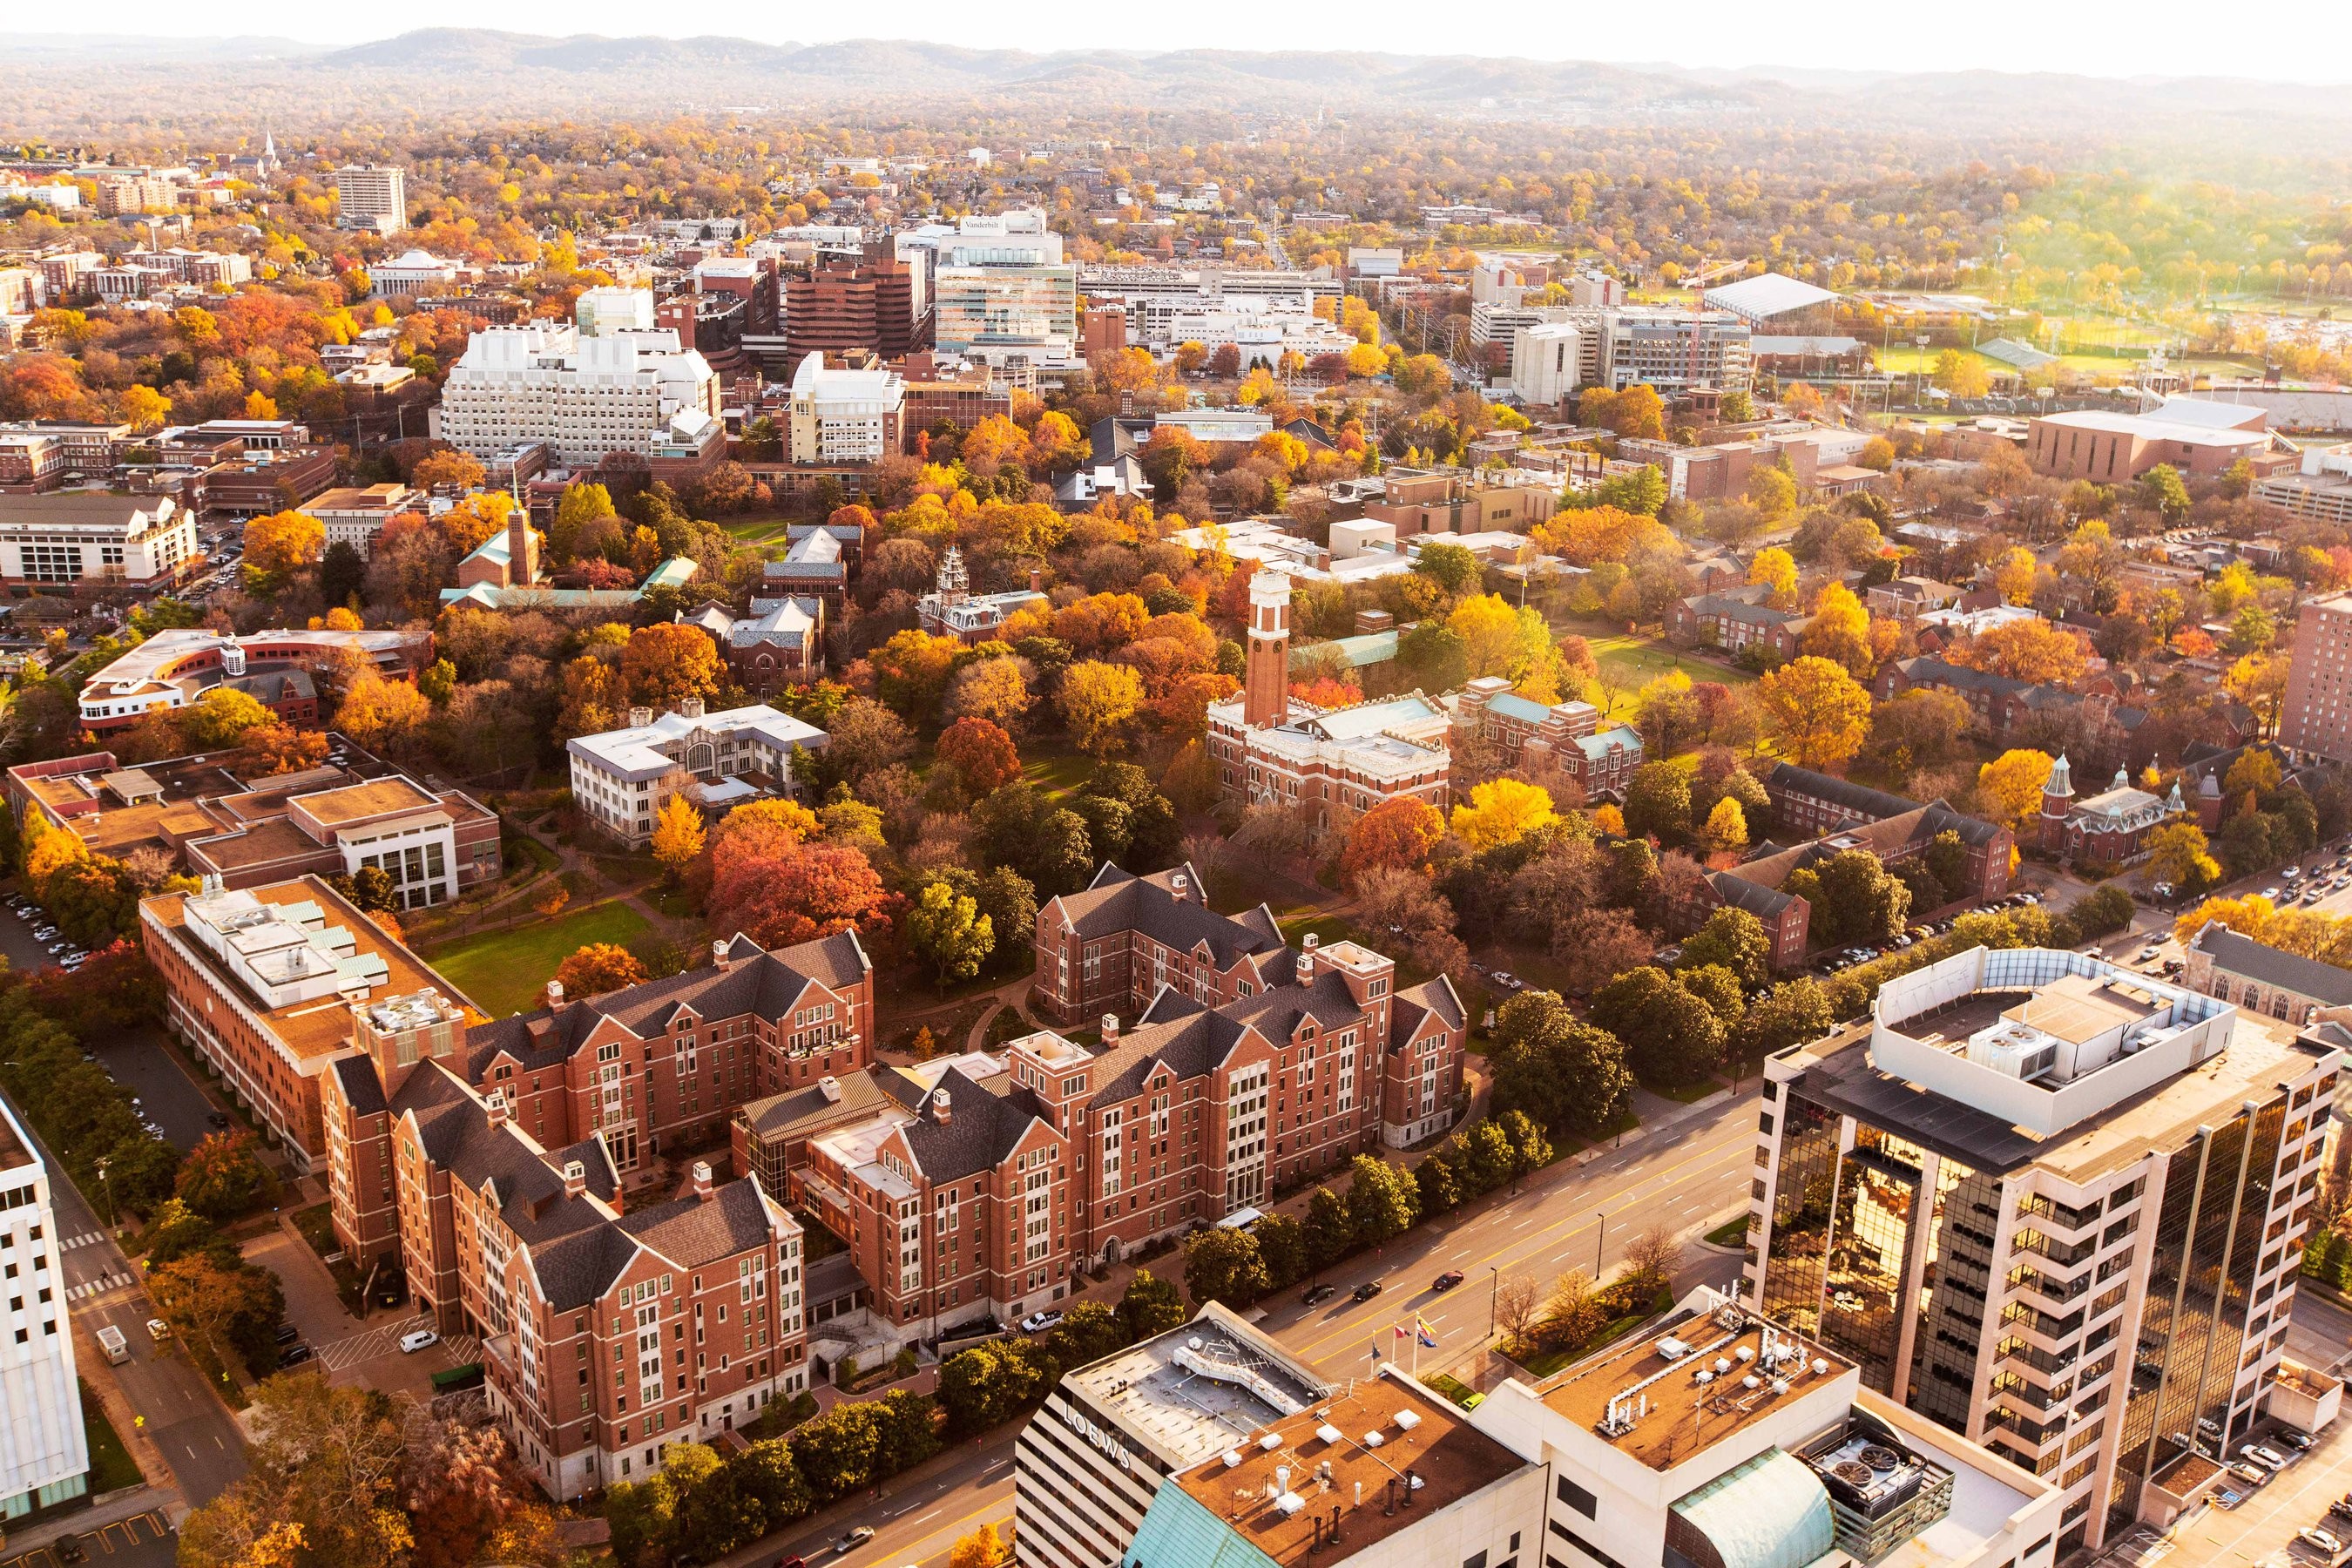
(1576, 1498)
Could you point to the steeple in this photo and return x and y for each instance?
(2062, 779)
(953, 583)
(2122, 779)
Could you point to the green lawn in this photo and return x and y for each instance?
(1058, 773)
(1643, 659)
(111, 1466)
(503, 971)
(761, 530)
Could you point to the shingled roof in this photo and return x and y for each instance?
(1416, 1003)
(455, 1126)
(692, 1231)
(754, 981)
(2247, 959)
(977, 1130)
(1870, 804)
(1119, 901)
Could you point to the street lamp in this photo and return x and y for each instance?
(106, 1190)
(1600, 1234)
(1494, 1298)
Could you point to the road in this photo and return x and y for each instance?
(1687, 1175)
(194, 1430)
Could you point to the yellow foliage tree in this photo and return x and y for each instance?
(1097, 700)
(2250, 917)
(1726, 832)
(383, 715)
(2178, 853)
(46, 849)
(677, 833)
(283, 541)
(1608, 819)
(2015, 780)
(1776, 569)
(1820, 713)
(1503, 811)
(1840, 630)
(983, 1548)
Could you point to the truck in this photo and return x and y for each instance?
(117, 1348)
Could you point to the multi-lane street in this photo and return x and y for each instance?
(1686, 1177)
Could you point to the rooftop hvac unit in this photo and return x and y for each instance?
(1233, 1458)
(1373, 1439)
(1270, 1442)
(1407, 1420)
(1328, 1433)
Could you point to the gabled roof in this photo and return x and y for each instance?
(2247, 959)
(1868, 803)
(1174, 1032)
(1431, 997)
(978, 1130)
(1765, 903)
(692, 1231)
(1117, 900)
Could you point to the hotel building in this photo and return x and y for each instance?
(44, 1455)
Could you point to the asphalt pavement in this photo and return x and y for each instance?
(1684, 1176)
(137, 1059)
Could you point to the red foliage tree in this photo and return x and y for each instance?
(1394, 834)
(1324, 691)
(980, 752)
(815, 892)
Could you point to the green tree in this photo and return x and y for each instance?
(1330, 1233)
(2161, 490)
(1382, 1202)
(223, 1176)
(1792, 1013)
(1149, 1306)
(1658, 803)
(1282, 1250)
(1221, 1264)
(1734, 939)
(1453, 567)
(1671, 1036)
(984, 1386)
(949, 933)
(1567, 1075)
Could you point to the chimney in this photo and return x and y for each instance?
(719, 951)
(691, 708)
(702, 1180)
(942, 1105)
(1178, 883)
(829, 1087)
(575, 1178)
(1307, 958)
(496, 1107)
(554, 995)
(1036, 579)
(640, 717)
(1110, 1029)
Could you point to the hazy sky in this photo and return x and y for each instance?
(2296, 40)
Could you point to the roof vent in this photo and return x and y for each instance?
(1328, 1433)
(1752, 1381)
(1723, 1363)
(1233, 1458)
(1780, 1385)
(1673, 1349)
(1289, 1503)
(1407, 1420)
(1193, 1343)
(1703, 1376)
(1373, 1439)
(1270, 1442)
(1821, 1367)
(1178, 883)
(1746, 1353)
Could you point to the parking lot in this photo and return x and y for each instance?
(2262, 1529)
(143, 1541)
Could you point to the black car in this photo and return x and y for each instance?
(1318, 1293)
(218, 1118)
(2341, 1508)
(69, 1550)
(1366, 1290)
(287, 1333)
(294, 1355)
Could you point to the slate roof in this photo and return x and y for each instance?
(692, 1231)
(1277, 1010)
(1733, 607)
(767, 983)
(1117, 901)
(1174, 1031)
(2247, 959)
(784, 1115)
(360, 1085)
(1419, 1001)
(1765, 903)
(458, 1136)
(1868, 803)
(977, 1133)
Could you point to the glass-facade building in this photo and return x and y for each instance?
(2093, 1304)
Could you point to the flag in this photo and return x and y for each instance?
(1428, 1340)
(1376, 1350)
(1398, 1331)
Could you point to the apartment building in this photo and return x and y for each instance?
(841, 416)
(621, 778)
(46, 1461)
(205, 267)
(1738, 619)
(132, 195)
(251, 831)
(1714, 1435)
(1113, 947)
(372, 195)
(66, 273)
(354, 515)
(2054, 1206)
(581, 1301)
(1616, 347)
(585, 391)
(2318, 488)
(94, 542)
(175, 667)
(2315, 719)
(1416, 501)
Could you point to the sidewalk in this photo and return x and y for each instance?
(115, 1507)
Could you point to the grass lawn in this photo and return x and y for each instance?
(503, 971)
(1328, 928)
(759, 530)
(1643, 659)
(111, 1466)
(1730, 1233)
(1058, 773)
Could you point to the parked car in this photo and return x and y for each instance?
(1366, 1291)
(2263, 1454)
(158, 1330)
(2322, 1541)
(1447, 1280)
(1038, 1322)
(287, 1333)
(217, 1118)
(2341, 1508)
(2252, 1475)
(2299, 1441)
(1316, 1294)
(2273, 893)
(294, 1355)
(2150, 952)
(418, 1339)
(792, 1560)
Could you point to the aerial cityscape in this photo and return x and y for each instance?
(1016, 797)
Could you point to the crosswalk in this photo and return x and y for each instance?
(100, 1286)
(86, 1238)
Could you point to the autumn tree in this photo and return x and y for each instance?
(677, 835)
(280, 544)
(668, 663)
(384, 716)
(812, 892)
(224, 1175)
(1502, 811)
(599, 967)
(1097, 700)
(1774, 569)
(1398, 833)
(1840, 631)
(1820, 713)
(946, 930)
(980, 752)
(2014, 780)
(2178, 854)
(2033, 650)
(449, 468)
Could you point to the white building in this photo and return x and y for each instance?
(44, 1457)
(994, 313)
(1621, 345)
(2319, 488)
(1716, 1437)
(415, 272)
(839, 415)
(622, 778)
(585, 391)
(1547, 362)
(56, 198)
(1258, 329)
(95, 538)
(354, 515)
(372, 195)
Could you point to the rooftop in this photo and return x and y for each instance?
(378, 797)
(1663, 1398)
(1379, 1437)
(1200, 1389)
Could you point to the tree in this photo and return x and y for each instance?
(947, 932)
(1671, 1036)
(1382, 1202)
(1419, 919)
(281, 544)
(1852, 895)
(1772, 492)
(983, 1548)
(1567, 1075)
(1962, 375)
(2161, 490)
(1919, 730)
(813, 892)
(1734, 939)
(2014, 576)
(1502, 811)
(1820, 713)
(992, 690)
(452, 469)
(1595, 946)
(218, 1305)
(984, 1386)
(2177, 854)
(324, 1459)
(223, 1176)
(2014, 780)
(1726, 832)
(221, 719)
(384, 716)
(2032, 650)
(1396, 835)
(599, 967)
(1149, 1306)
(1658, 803)
(1840, 630)
(1652, 1257)
(1773, 567)
(668, 663)
(1097, 700)
(677, 835)
(2250, 917)
(981, 753)
(1454, 568)
(1517, 1308)
(1221, 1264)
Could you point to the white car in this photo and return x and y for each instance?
(1038, 1322)
(410, 1343)
(2322, 1541)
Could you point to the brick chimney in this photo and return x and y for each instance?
(1110, 1029)
(942, 1106)
(1307, 947)
(702, 1180)
(719, 959)
(575, 1178)
(496, 1107)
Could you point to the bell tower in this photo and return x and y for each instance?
(2057, 800)
(1266, 696)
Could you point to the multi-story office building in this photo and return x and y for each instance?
(2054, 1206)
(2315, 720)
(2319, 487)
(622, 778)
(372, 195)
(872, 303)
(999, 312)
(1716, 1437)
(582, 1299)
(839, 415)
(94, 541)
(174, 668)
(354, 515)
(1571, 348)
(45, 1456)
(131, 196)
(612, 383)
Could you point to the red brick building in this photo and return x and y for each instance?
(1735, 619)
(1569, 733)
(843, 307)
(2109, 829)
(1112, 947)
